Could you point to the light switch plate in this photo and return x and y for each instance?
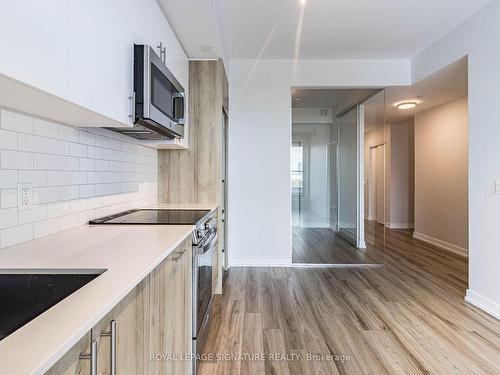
(24, 196)
(497, 187)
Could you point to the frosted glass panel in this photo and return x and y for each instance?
(347, 175)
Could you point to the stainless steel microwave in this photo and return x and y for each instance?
(158, 99)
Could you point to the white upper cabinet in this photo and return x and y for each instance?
(80, 51)
(101, 35)
(33, 43)
(100, 56)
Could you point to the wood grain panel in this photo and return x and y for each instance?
(195, 175)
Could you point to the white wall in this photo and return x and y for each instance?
(260, 139)
(478, 38)
(76, 174)
(441, 175)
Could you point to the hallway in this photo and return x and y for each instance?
(408, 317)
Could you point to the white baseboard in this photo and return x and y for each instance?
(400, 225)
(442, 244)
(259, 262)
(485, 304)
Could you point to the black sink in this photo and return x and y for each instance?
(26, 294)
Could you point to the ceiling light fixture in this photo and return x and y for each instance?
(302, 2)
(406, 105)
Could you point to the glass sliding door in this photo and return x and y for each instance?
(348, 225)
(297, 182)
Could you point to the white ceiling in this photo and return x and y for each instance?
(196, 25)
(321, 29)
(447, 84)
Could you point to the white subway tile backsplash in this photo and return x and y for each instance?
(15, 235)
(32, 143)
(36, 213)
(58, 209)
(78, 150)
(69, 192)
(46, 194)
(46, 162)
(8, 198)
(36, 178)
(94, 152)
(16, 122)
(78, 205)
(76, 174)
(56, 178)
(115, 144)
(45, 227)
(102, 165)
(87, 164)
(46, 128)
(67, 133)
(94, 177)
(8, 179)
(16, 159)
(78, 178)
(69, 221)
(87, 138)
(87, 191)
(58, 147)
(8, 218)
(8, 140)
(101, 141)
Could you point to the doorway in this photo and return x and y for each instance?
(326, 171)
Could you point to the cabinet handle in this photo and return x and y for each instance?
(92, 356)
(112, 335)
(179, 256)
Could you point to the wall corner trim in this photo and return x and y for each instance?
(442, 244)
(484, 303)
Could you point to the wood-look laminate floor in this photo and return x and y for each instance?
(406, 318)
(325, 246)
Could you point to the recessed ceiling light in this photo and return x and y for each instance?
(206, 48)
(406, 105)
(302, 2)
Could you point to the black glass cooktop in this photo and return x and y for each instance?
(154, 217)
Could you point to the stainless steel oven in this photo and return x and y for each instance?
(204, 243)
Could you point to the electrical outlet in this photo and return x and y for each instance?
(25, 196)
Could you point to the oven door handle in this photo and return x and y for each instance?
(206, 245)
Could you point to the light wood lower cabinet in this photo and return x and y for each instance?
(170, 290)
(70, 363)
(152, 326)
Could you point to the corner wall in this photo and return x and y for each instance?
(478, 38)
(441, 176)
(260, 140)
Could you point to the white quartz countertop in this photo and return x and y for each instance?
(127, 252)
